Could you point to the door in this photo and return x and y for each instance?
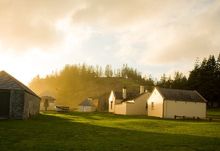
(4, 103)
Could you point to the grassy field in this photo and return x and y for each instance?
(214, 113)
(103, 131)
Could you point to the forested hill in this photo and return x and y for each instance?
(75, 83)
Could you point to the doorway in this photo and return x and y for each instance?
(4, 103)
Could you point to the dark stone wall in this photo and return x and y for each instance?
(16, 104)
(31, 105)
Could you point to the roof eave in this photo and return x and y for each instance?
(158, 89)
(33, 94)
(201, 96)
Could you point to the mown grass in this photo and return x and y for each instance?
(214, 113)
(103, 131)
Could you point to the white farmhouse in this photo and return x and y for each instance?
(128, 103)
(172, 103)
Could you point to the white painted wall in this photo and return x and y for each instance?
(138, 107)
(157, 100)
(180, 108)
(111, 102)
(120, 108)
(111, 108)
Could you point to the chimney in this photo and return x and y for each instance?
(141, 89)
(124, 93)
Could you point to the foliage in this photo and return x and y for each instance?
(77, 82)
(108, 71)
(205, 78)
(178, 82)
(74, 83)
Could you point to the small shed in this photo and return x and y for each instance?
(172, 103)
(87, 106)
(47, 103)
(17, 101)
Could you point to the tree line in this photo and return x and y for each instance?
(76, 82)
(205, 78)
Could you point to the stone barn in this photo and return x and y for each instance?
(17, 101)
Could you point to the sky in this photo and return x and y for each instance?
(154, 36)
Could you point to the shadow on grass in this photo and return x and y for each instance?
(97, 115)
(47, 132)
(107, 115)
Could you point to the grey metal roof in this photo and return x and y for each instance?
(129, 95)
(8, 82)
(181, 95)
(86, 102)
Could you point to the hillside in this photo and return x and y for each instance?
(71, 94)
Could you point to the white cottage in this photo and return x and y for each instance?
(172, 103)
(128, 103)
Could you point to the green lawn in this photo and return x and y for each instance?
(103, 131)
(214, 113)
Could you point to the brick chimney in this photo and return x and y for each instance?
(141, 89)
(124, 93)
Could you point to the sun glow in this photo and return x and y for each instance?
(24, 66)
(62, 25)
(153, 38)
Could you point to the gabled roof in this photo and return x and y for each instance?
(181, 95)
(129, 95)
(49, 98)
(87, 102)
(8, 82)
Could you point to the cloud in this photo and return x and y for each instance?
(117, 14)
(155, 35)
(25, 24)
(185, 49)
(198, 39)
(165, 31)
(189, 36)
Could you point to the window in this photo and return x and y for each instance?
(111, 104)
(152, 105)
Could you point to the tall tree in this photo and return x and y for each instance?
(108, 71)
(205, 79)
